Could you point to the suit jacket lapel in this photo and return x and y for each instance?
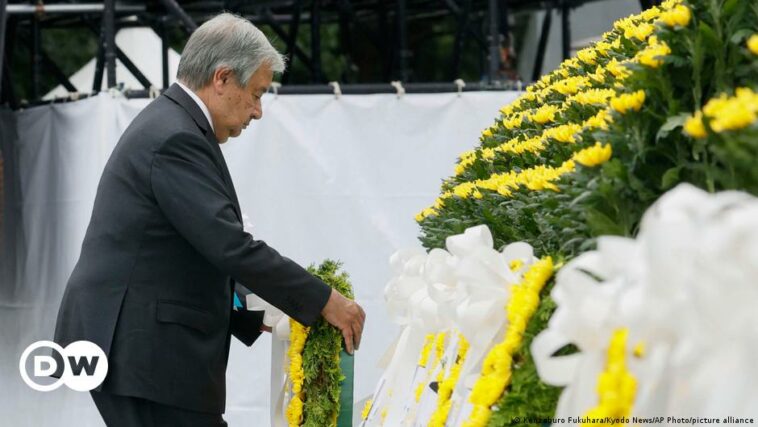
(178, 95)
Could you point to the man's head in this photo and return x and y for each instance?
(229, 63)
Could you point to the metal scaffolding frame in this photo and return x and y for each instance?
(481, 23)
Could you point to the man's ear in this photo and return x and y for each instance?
(221, 77)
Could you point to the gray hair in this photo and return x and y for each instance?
(226, 41)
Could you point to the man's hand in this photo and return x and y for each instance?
(347, 316)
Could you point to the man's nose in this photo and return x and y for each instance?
(257, 113)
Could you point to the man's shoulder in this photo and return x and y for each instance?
(166, 115)
(159, 121)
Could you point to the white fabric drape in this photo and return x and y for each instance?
(319, 177)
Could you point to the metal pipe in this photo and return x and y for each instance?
(566, 28)
(402, 40)
(316, 41)
(292, 38)
(460, 36)
(283, 35)
(349, 89)
(3, 14)
(109, 33)
(164, 51)
(173, 8)
(28, 9)
(35, 57)
(542, 44)
(494, 50)
(372, 88)
(132, 69)
(97, 80)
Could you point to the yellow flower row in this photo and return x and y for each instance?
(426, 350)
(366, 409)
(298, 335)
(446, 386)
(562, 133)
(616, 386)
(438, 341)
(536, 178)
(725, 113)
(496, 368)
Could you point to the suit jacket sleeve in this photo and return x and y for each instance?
(191, 193)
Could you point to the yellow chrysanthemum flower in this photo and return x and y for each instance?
(616, 386)
(732, 113)
(544, 114)
(694, 126)
(598, 121)
(513, 122)
(679, 15)
(425, 213)
(628, 102)
(617, 69)
(651, 55)
(670, 4)
(571, 85)
(752, 44)
(602, 47)
(641, 31)
(588, 56)
(592, 96)
(651, 13)
(563, 133)
(593, 156)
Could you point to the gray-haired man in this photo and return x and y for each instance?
(154, 282)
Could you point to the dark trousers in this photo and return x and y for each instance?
(125, 411)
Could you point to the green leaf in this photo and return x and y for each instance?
(670, 177)
(709, 37)
(729, 7)
(741, 35)
(670, 124)
(601, 224)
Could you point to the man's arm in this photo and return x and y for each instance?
(190, 191)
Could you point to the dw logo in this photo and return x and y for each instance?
(84, 366)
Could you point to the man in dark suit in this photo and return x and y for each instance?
(154, 283)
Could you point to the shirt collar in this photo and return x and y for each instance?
(199, 103)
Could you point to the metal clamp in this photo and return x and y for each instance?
(461, 84)
(398, 87)
(337, 89)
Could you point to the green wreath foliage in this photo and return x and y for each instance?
(321, 356)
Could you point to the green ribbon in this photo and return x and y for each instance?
(345, 416)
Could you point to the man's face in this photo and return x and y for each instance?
(236, 105)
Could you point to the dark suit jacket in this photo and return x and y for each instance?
(153, 284)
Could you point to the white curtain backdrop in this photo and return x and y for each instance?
(319, 178)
